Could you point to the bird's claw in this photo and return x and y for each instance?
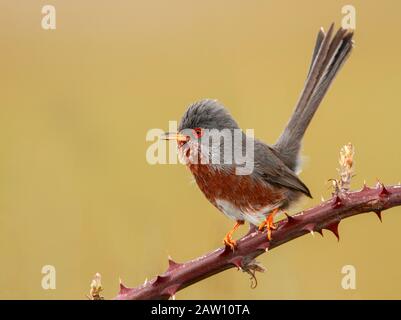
(228, 239)
(229, 242)
(269, 229)
(269, 224)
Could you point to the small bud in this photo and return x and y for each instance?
(96, 288)
(346, 163)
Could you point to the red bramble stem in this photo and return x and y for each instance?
(326, 215)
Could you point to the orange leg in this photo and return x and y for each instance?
(228, 241)
(269, 223)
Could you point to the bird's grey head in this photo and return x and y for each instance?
(207, 114)
(208, 134)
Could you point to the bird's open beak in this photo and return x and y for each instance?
(175, 136)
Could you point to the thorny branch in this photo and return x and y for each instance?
(327, 215)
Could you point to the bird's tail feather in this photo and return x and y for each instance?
(329, 55)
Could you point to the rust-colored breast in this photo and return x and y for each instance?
(242, 191)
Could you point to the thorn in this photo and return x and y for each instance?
(173, 297)
(263, 246)
(237, 262)
(320, 232)
(170, 291)
(159, 279)
(337, 202)
(379, 214)
(383, 191)
(365, 187)
(123, 288)
(172, 264)
(310, 228)
(145, 282)
(290, 220)
(334, 228)
(321, 198)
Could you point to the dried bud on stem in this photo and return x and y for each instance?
(96, 288)
(345, 170)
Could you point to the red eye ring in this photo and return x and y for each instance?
(198, 132)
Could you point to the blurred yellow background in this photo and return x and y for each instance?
(76, 191)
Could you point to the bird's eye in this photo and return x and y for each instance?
(198, 132)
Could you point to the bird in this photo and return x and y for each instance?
(273, 185)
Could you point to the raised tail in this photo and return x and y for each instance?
(329, 55)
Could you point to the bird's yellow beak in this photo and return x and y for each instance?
(175, 136)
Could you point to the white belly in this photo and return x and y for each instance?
(255, 216)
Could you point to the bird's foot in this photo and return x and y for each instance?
(269, 227)
(269, 224)
(229, 242)
(228, 239)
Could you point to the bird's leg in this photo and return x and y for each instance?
(269, 223)
(228, 241)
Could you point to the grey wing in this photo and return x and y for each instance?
(270, 168)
